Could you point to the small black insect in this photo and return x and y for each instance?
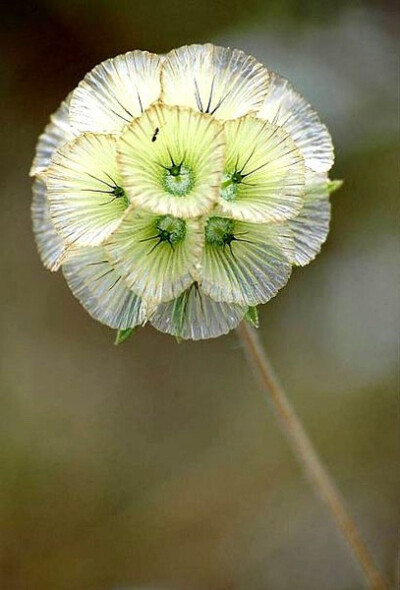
(156, 132)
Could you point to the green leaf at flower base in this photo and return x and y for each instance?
(251, 316)
(123, 335)
(334, 185)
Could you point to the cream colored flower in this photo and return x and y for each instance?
(58, 132)
(116, 91)
(51, 246)
(102, 291)
(171, 161)
(245, 263)
(158, 255)
(85, 190)
(287, 108)
(220, 81)
(263, 172)
(311, 226)
(181, 190)
(195, 316)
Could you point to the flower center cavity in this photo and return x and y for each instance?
(220, 231)
(178, 179)
(230, 185)
(168, 229)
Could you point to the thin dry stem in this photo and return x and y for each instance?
(308, 457)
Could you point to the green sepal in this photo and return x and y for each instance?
(123, 335)
(334, 185)
(251, 316)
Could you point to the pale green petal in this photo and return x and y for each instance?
(50, 245)
(164, 136)
(252, 267)
(264, 172)
(283, 106)
(115, 91)
(55, 134)
(84, 188)
(102, 291)
(217, 80)
(195, 316)
(311, 226)
(155, 269)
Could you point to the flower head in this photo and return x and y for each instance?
(181, 190)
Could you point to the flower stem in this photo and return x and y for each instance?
(308, 457)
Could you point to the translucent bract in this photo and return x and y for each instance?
(181, 190)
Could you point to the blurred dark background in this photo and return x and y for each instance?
(160, 466)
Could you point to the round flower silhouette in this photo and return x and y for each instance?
(181, 190)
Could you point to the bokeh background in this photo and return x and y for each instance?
(160, 466)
